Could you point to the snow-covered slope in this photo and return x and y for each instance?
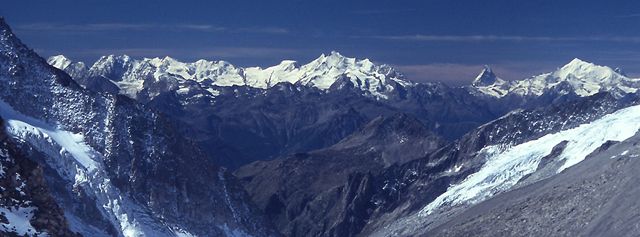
(26, 205)
(579, 77)
(81, 165)
(134, 75)
(598, 197)
(116, 168)
(520, 148)
(506, 167)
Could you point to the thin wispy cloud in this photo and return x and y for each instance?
(629, 15)
(509, 38)
(381, 11)
(113, 27)
(102, 27)
(267, 30)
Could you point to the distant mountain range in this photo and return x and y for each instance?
(579, 77)
(335, 147)
(134, 77)
(248, 114)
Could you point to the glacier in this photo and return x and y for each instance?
(505, 167)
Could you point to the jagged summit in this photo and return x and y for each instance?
(578, 76)
(59, 61)
(486, 77)
(130, 74)
(79, 137)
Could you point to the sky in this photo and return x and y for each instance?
(446, 41)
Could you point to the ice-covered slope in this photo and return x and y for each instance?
(26, 205)
(522, 147)
(505, 167)
(134, 75)
(116, 168)
(597, 197)
(83, 166)
(579, 77)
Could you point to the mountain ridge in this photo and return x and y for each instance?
(582, 77)
(117, 168)
(131, 75)
(578, 76)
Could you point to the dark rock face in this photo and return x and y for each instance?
(245, 124)
(23, 186)
(165, 182)
(334, 162)
(351, 189)
(241, 124)
(328, 192)
(597, 197)
(411, 186)
(486, 77)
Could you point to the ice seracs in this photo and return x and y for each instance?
(578, 76)
(135, 75)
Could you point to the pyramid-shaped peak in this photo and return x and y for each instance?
(487, 69)
(486, 77)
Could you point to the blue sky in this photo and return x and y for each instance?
(428, 40)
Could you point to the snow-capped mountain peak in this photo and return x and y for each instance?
(576, 62)
(488, 83)
(578, 76)
(486, 77)
(59, 61)
(134, 75)
(584, 70)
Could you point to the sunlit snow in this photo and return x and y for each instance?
(320, 73)
(81, 164)
(584, 78)
(71, 143)
(18, 221)
(503, 169)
